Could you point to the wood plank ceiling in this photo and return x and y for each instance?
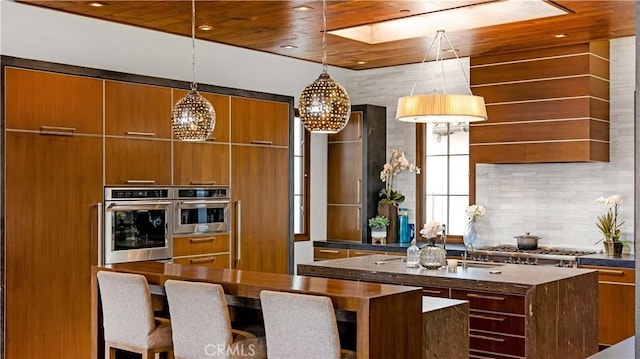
(269, 25)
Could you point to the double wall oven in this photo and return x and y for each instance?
(141, 222)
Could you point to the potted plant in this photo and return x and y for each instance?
(378, 226)
(608, 225)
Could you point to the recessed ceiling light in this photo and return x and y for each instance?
(97, 4)
(560, 36)
(289, 47)
(361, 62)
(205, 27)
(302, 8)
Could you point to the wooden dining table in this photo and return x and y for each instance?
(387, 317)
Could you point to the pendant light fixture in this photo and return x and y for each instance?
(324, 105)
(441, 107)
(193, 117)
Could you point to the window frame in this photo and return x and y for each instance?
(306, 184)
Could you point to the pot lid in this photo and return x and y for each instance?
(527, 235)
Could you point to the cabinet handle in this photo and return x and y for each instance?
(238, 229)
(359, 129)
(211, 139)
(358, 220)
(140, 181)
(202, 260)
(134, 133)
(480, 356)
(257, 142)
(357, 253)
(99, 236)
(493, 339)
(489, 297)
(202, 240)
(358, 188)
(611, 272)
(329, 251)
(497, 319)
(431, 291)
(57, 131)
(202, 183)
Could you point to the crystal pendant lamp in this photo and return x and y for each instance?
(441, 107)
(193, 117)
(324, 105)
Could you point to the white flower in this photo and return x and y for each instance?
(612, 201)
(431, 229)
(475, 210)
(396, 164)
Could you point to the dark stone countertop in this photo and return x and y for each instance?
(601, 259)
(453, 249)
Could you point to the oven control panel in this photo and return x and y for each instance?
(136, 193)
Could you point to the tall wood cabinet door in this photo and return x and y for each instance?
(137, 161)
(344, 222)
(51, 184)
(344, 173)
(259, 122)
(45, 101)
(137, 110)
(221, 107)
(259, 189)
(352, 131)
(198, 163)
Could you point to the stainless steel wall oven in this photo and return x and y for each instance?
(137, 224)
(200, 210)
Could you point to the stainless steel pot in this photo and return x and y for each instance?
(527, 241)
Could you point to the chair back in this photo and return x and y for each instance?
(299, 326)
(126, 308)
(199, 319)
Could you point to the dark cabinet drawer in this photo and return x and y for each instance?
(474, 354)
(496, 322)
(435, 292)
(493, 342)
(494, 302)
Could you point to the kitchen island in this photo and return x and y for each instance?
(515, 310)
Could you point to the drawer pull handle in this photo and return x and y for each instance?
(58, 131)
(329, 251)
(486, 317)
(480, 296)
(202, 182)
(202, 240)
(480, 356)
(611, 272)
(258, 142)
(361, 253)
(202, 260)
(134, 133)
(493, 339)
(141, 181)
(431, 291)
(211, 139)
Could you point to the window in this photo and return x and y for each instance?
(301, 180)
(447, 175)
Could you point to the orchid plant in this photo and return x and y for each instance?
(396, 164)
(608, 223)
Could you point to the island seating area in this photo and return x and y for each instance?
(387, 317)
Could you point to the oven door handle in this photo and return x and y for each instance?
(137, 204)
(205, 202)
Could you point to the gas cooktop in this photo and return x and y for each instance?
(560, 257)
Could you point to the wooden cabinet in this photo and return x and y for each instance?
(260, 194)
(320, 254)
(137, 110)
(210, 250)
(200, 163)
(50, 102)
(52, 186)
(355, 158)
(259, 122)
(139, 162)
(221, 105)
(616, 304)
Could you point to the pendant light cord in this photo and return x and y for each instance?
(193, 44)
(324, 36)
(423, 61)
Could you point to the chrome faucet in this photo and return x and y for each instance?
(465, 254)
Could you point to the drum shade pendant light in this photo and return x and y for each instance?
(435, 108)
(193, 117)
(324, 105)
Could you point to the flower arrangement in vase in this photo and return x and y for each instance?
(608, 225)
(470, 235)
(432, 256)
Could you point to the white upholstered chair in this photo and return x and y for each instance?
(128, 318)
(300, 326)
(201, 324)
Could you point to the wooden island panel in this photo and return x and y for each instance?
(386, 315)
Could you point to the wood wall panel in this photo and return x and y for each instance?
(541, 131)
(582, 107)
(539, 152)
(544, 89)
(530, 54)
(569, 65)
